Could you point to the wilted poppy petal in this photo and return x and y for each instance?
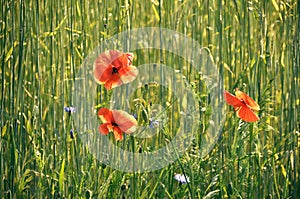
(103, 128)
(246, 114)
(248, 100)
(232, 100)
(126, 122)
(105, 115)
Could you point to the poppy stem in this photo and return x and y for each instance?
(180, 163)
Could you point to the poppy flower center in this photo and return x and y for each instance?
(114, 124)
(114, 70)
(244, 102)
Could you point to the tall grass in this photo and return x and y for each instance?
(255, 45)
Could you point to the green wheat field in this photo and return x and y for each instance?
(254, 45)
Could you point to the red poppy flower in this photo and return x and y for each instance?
(113, 68)
(243, 105)
(116, 121)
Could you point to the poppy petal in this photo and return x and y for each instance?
(232, 100)
(124, 76)
(106, 115)
(128, 74)
(103, 67)
(248, 100)
(105, 76)
(121, 59)
(107, 62)
(246, 114)
(103, 128)
(118, 133)
(113, 82)
(126, 122)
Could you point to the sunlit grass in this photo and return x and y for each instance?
(255, 45)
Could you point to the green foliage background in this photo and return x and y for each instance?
(255, 45)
